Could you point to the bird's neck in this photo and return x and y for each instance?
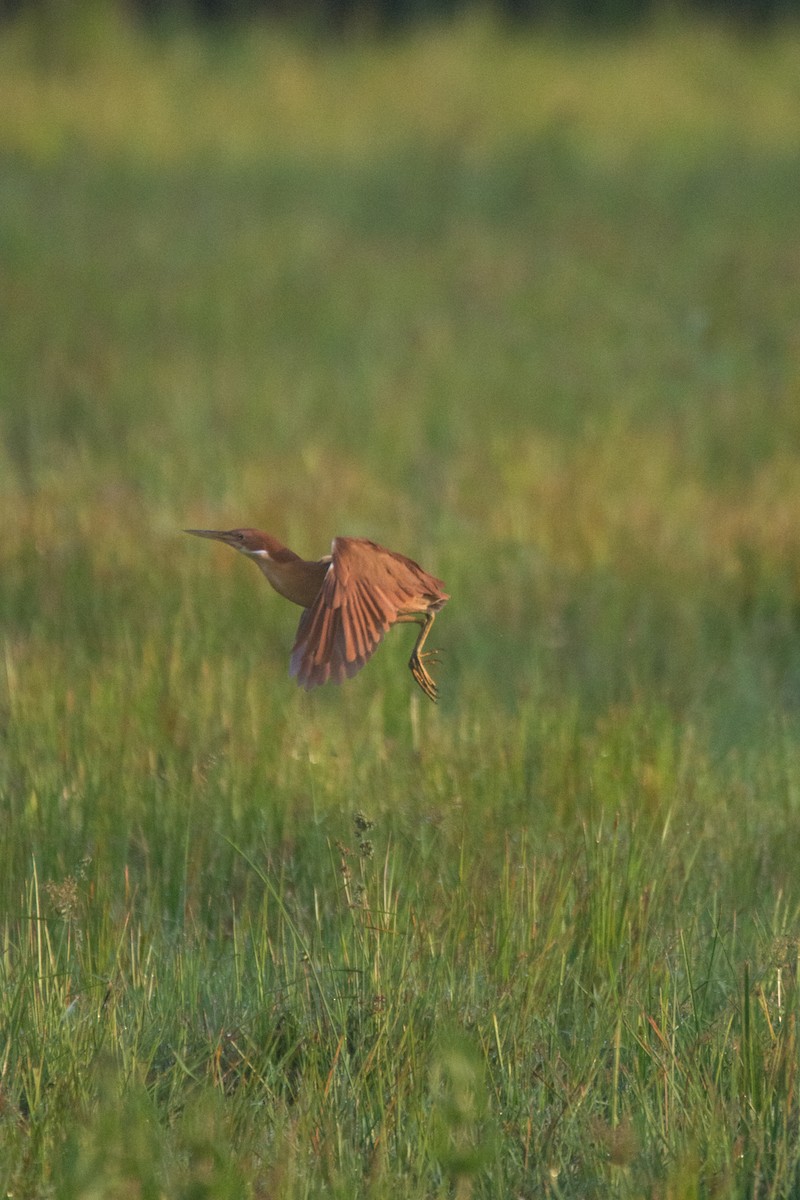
(294, 578)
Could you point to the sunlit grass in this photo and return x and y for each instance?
(465, 88)
(525, 309)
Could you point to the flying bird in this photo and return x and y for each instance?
(350, 598)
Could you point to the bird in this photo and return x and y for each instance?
(350, 599)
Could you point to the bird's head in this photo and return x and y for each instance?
(251, 542)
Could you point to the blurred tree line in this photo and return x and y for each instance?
(339, 15)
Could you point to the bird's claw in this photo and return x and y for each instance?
(422, 677)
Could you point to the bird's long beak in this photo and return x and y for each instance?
(219, 535)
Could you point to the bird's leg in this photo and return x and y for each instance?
(415, 663)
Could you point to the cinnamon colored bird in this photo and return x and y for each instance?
(350, 598)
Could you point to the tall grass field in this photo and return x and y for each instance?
(526, 308)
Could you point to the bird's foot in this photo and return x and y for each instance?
(421, 675)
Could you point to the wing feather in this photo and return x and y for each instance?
(363, 592)
(357, 628)
(356, 605)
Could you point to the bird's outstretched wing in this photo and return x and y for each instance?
(365, 589)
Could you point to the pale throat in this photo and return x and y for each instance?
(265, 564)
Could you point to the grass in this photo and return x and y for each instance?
(525, 309)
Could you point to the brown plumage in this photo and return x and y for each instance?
(350, 599)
